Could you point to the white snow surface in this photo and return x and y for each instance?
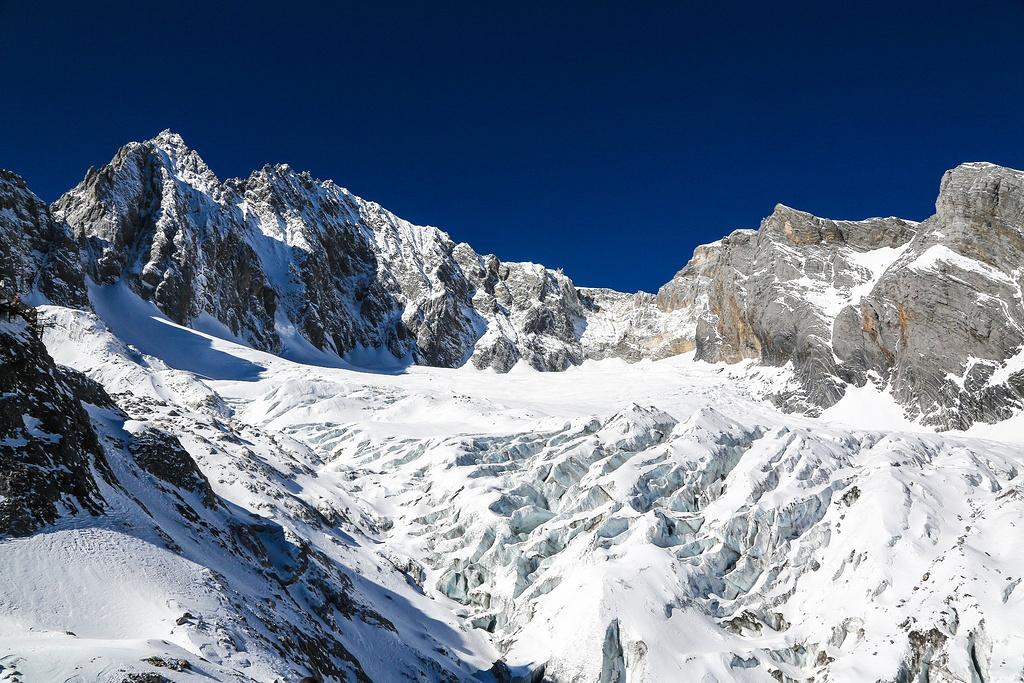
(636, 522)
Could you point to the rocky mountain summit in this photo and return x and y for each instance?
(285, 262)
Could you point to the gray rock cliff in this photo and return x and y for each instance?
(945, 323)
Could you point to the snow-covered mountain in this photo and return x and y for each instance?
(285, 261)
(265, 429)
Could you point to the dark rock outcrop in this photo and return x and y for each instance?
(162, 455)
(38, 255)
(49, 452)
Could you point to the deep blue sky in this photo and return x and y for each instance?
(606, 138)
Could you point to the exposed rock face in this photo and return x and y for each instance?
(932, 309)
(945, 323)
(38, 256)
(634, 326)
(162, 455)
(773, 294)
(48, 449)
(158, 218)
(534, 314)
(50, 453)
(323, 263)
(688, 290)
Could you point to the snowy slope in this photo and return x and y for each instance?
(646, 522)
(213, 542)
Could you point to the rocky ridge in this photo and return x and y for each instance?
(286, 262)
(931, 310)
(282, 260)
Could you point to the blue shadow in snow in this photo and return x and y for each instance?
(142, 325)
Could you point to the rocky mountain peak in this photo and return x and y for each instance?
(170, 142)
(157, 219)
(13, 180)
(183, 163)
(983, 202)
